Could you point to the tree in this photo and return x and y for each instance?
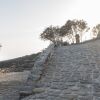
(70, 30)
(73, 27)
(51, 33)
(80, 27)
(66, 30)
(96, 31)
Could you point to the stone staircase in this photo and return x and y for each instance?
(71, 73)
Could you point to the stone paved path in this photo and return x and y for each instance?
(73, 73)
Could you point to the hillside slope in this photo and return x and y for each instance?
(18, 64)
(72, 73)
(13, 76)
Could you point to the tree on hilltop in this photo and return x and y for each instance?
(66, 30)
(81, 27)
(71, 30)
(52, 34)
(96, 31)
(74, 27)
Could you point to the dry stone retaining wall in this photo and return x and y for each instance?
(39, 64)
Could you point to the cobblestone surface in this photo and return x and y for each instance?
(72, 73)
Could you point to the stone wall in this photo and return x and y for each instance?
(72, 73)
(38, 68)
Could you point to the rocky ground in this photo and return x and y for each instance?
(13, 76)
(72, 73)
(10, 89)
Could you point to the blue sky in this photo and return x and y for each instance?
(22, 21)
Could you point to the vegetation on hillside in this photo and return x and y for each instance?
(18, 64)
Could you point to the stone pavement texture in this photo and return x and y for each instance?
(72, 73)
